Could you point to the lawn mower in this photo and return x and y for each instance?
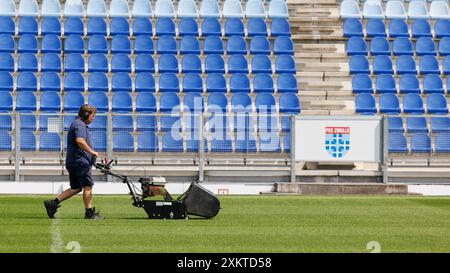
(196, 200)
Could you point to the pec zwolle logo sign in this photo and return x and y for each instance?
(337, 141)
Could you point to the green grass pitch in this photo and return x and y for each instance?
(244, 224)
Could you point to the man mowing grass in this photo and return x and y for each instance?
(78, 164)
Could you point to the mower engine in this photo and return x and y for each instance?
(154, 186)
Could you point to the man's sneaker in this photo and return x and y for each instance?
(51, 206)
(92, 214)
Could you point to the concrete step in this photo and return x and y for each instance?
(324, 104)
(308, 112)
(321, 67)
(327, 12)
(341, 188)
(321, 48)
(312, 95)
(324, 85)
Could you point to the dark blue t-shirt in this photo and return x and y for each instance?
(77, 157)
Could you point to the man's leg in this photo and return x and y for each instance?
(67, 194)
(87, 197)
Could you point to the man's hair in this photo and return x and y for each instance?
(86, 110)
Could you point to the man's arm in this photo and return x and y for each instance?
(83, 145)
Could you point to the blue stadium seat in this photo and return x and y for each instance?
(236, 45)
(26, 81)
(74, 81)
(193, 103)
(100, 101)
(119, 8)
(167, 63)
(258, 27)
(193, 142)
(442, 143)
(213, 45)
(96, 8)
(121, 82)
(278, 9)
(5, 141)
(214, 64)
(190, 45)
(285, 64)
(395, 10)
(120, 44)
(170, 105)
(446, 66)
(442, 28)
(51, 62)
(397, 143)
(27, 141)
(28, 25)
(144, 82)
(398, 28)
(216, 83)
(166, 45)
(188, 27)
(444, 46)
(98, 81)
(50, 81)
(187, 9)
(234, 26)
(365, 104)
(261, 64)
(385, 83)
(283, 45)
(382, 64)
(420, 142)
(6, 81)
(437, 104)
(269, 142)
(440, 125)
(172, 142)
(263, 83)
(239, 83)
(375, 28)
(418, 10)
(51, 43)
(7, 43)
(119, 26)
(146, 103)
(356, 46)
(146, 121)
(210, 9)
(7, 62)
(120, 63)
(148, 142)
(142, 9)
(7, 106)
(425, 46)
(281, 27)
(255, 9)
(289, 104)
(373, 10)
(73, 62)
(241, 102)
(165, 26)
(379, 46)
(98, 63)
(164, 8)
(416, 125)
(73, 26)
(429, 65)
(27, 43)
(142, 26)
(192, 83)
(237, 64)
(412, 104)
(359, 65)
(362, 83)
(217, 102)
(74, 8)
(96, 26)
(232, 9)
(406, 65)
(439, 9)
(287, 83)
(265, 104)
(395, 124)
(287, 143)
(245, 143)
(50, 101)
(123, 142)
(191, 63)
(144, 63)
(169, 102)
(421, 28)
(122, 102)
(99, 140)
(433, 84)
(389, 104)
(211, 27)
(26, 103)
(402, 46)
(97, 44)
(9, 26)
(352, 27)
(27, 62)
(73, 101)
(409, 83)
(259, 45)
(168, 82)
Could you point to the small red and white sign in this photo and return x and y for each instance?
(337, 130)
(222, 191)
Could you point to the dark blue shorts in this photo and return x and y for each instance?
(80, 177)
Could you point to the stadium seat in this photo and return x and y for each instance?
(437, 104)
(168, 82)
(210, 9)
(8, 8)
(442, 143)
(269, 142)
(421, 28)
(375, 27)
(120, 63)
(237, 64)
(144, 82)
(74, 44)
(9, 26)
(217, 102)
(73, 26)
(285, 64)
(142, 26)
(213, 45)
(187, 9)
(166, 45)
(164, 8)
(96, 26)
(395, 10)
(98, 81)
(446, 66)
(74, 8)
(214, 63)
(287, 83)
(6, 81)
(27, 62)
(350, 9)
(5, 141)
(119, 8)
(420, 142)
(261, 64)
(7, 102)
(232, 9)
(99, 140)
(26, 81)
(188, 27)
(121, 82)
(7, 62)
(119, 26)
(439, 9)
(255, 9)
(444, 46)
(122, 102)
(373, 10)
(27, 43)
(365, 104)
(289, 104)
(211, 27)
(234, 26)
(120, 44)
(7, 43)
(379, 46)
(123, 142)
(146, 107)
(236, 45)
(397, 143)
(258, 27)
(406, 65)
(26, 104)
(402, 46)
(148, 142)
(96, 8)
(122, 121)
(395, 124)
(170, 106)
(97, 44)
(287, 143)
(433, 84)
(144, 63)
(385, 83)
(356, 46)
(409, 84)
(193, 142)
(51, 62)
(429, 65)
(51, 43)
(418, 10)
(239, 83)
(241, 102)
(74, 81)
(172, 142)
(389, 104)
(352, 27)
(169, 102)
(191, 63)
(398, 28)
(359, 64)
(362, 83)
(28, 25)
(74, 62)
(263, 83)
(278, 9)
(73, 101)
(425, 46)
(281, 27)
(167, 63)
(283, 45)
(142, 9)
(50, 81)
(440, 124)
(442, 28)
(50, 101)
(259, 45)
(382, 64)
(192, 83)
(165, 26)
(245, 143)
(216, 83)
(189, 45)
(27, 141)
(193, 103)
(412, 104)
(100, 101)
(98, 62)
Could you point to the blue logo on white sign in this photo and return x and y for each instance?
(337, 141)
